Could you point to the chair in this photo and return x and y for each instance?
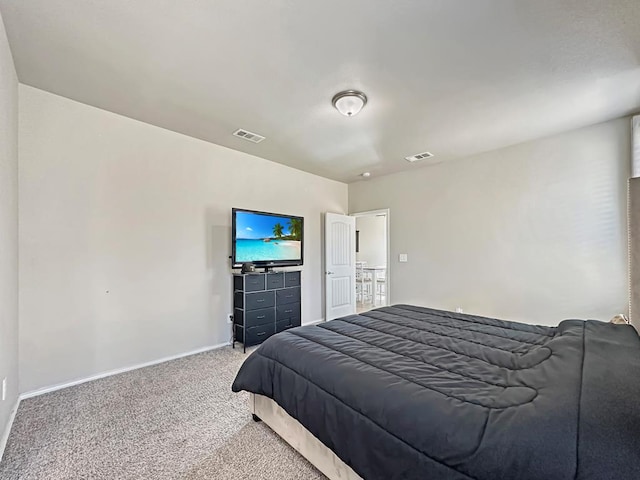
(363, 284)
(381, 285)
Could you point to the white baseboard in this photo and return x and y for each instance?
(60, 386)
(5, 435)
(315, 322)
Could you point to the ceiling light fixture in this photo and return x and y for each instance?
(349, 102)
(366, 174)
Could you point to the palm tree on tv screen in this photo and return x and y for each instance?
(277, 230)
(295, 228)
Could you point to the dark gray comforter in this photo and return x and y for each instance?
(406, 392)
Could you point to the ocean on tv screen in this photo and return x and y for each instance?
(267, 238)
(259, 250)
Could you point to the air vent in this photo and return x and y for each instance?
(419, 156)
(252, 137)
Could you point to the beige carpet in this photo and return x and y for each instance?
(177, 420)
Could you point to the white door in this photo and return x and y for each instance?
(340, 265)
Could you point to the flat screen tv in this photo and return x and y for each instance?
(266, 239)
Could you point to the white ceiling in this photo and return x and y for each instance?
(453, 77)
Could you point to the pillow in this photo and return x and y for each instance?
(620, 319)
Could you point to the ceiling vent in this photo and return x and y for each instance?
(252, 137)
(419, 156)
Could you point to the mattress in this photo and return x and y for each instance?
(406, 392)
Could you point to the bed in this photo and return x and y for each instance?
(406, 392)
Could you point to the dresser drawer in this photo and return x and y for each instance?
(252, 318)
(287, 311)
(292, 279)
(260, 317)
(254, 301)
(259, 333)
(288, 295)
(287, 324)
(275, 280)
(254, 283)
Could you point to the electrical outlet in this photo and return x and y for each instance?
(230, 319)
(4, 389)
(459, 310)
(403, 258)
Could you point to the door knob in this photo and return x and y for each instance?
(329, 273)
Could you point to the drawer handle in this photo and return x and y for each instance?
(260, 316)
(289, 296)
(260, 300)
(288, 311)
(262, 333)
(288, 326)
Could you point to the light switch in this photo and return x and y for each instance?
(403, 258)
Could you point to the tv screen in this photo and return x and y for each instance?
(266, 239)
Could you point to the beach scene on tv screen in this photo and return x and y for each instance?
(267, 238)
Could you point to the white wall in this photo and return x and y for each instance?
(8, 230)
(373, 239)
(534, 232)
(125, 235)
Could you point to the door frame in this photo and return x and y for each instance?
(387, 213)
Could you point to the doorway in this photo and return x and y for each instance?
(372, 259)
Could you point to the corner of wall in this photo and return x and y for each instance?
(8, 235)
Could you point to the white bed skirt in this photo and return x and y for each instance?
(300, 439)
